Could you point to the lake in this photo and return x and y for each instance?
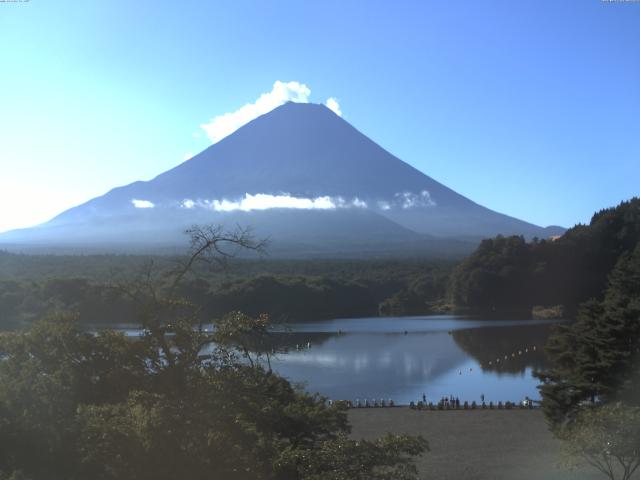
(402, 358)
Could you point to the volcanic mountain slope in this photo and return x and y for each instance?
(299, 174)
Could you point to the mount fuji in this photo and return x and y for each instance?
(300, 175)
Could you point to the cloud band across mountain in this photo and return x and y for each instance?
(264, 201)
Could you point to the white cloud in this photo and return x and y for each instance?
(333, 105)
(410, 200)
(281, 93)
(264, 201)
(359, 203)
(187, 156)
(142, 203)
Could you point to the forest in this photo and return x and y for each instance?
(92, 287)
(509, 274)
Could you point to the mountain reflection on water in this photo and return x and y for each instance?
(402, 358)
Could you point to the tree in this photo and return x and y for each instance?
(597, 357)
(607, 438)
(162, 311)
(510, 274)
(76, 405)
(591, 395)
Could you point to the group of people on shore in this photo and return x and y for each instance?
(453, 403)
(445, 403)
(374, 403)
(365, 403)
(450, 401)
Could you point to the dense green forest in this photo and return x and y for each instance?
(75, 406)
(591, 392)
(510, 274)
(95, 287)
(598, 356)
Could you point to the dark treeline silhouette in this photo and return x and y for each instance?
(31, 286)
(591, 391)
(510, 274)
(597, 358)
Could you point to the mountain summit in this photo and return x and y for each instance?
(299, 174)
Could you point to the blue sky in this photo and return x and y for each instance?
(531, 108)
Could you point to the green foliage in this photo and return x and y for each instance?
(424, 294)
(597, 357)
(607, 438)
(294, 298)
(290, 291)
(494, 276)
(178, 402)
(75, 405)
(513, 275)
(388, 458)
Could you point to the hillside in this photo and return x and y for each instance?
(508, 273)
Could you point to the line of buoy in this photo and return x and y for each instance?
(513, 355)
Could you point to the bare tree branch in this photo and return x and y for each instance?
(161, 308)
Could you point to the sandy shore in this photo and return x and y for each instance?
(475, 445)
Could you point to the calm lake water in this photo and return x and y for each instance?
(402, 358)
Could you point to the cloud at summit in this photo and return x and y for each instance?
(224, 125)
